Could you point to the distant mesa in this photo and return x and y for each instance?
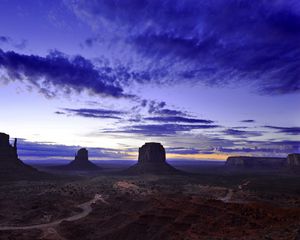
(81, 162)
(10, 164)
(255, 162)
(293, 160)
(152, 160)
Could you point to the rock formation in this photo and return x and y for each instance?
(10, 164)
(81, 162)
(152, 160)
(8, 153)
(293, 160)
(255, 162)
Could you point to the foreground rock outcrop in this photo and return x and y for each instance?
(81, 162)
(255, 162)
(10, 164)
(152, 160)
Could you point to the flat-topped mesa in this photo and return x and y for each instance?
(152, 152)
(293, 160)
(152, 160)
(81, 162)
(255, 162)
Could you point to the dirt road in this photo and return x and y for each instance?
(86, 207)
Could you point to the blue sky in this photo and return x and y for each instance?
(208, 79)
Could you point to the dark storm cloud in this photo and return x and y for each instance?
(179, 119)
(57, 72)
(241, 133)
(161, 129)
(253, 43)
(287, 130)
(93, 113)
(248, 121)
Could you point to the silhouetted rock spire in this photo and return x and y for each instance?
(81, 162)
(10, 165)
(15, 144)
(8, 153)
(152, 160)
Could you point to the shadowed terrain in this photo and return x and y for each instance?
(150, 200)
(212, 203)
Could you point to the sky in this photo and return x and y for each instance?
(208, 79)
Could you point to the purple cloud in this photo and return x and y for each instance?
(57, 72)
(93, 113)
(161, 129)
(179, 119)
(241, 133)
(220, 43)
(287, 130)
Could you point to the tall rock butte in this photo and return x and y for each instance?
(10, 164)
(152, 160)
(81, 162)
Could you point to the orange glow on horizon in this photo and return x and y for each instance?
(198, 156)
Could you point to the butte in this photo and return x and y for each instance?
(152, 160)
(81, 162)
(11, 167)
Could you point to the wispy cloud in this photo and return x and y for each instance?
(248, 121)
(93, 113)
(220, 43)
(179, 119)
(159, 129)
(241, 133)
(287, 130)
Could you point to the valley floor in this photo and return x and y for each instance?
(212, 204)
